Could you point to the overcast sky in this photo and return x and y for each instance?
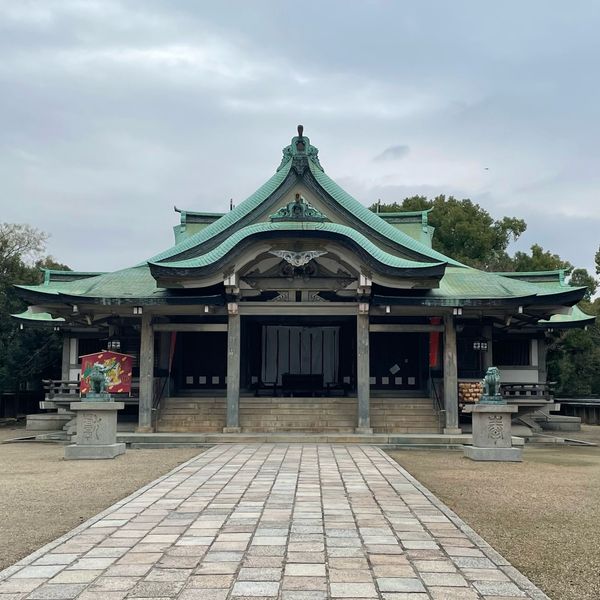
(113, 111)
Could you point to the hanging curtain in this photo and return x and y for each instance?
(300, 351)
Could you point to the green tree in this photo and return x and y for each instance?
(25, 355)
(574, 357)
(464, 230)
(581, 277)
(539, 260)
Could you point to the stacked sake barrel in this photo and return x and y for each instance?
(469, 392)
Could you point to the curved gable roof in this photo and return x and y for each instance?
(297, 161)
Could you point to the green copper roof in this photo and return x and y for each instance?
(406, 214)
(51, 276)
(577, 318)
(300, 159)
(288, 226)
(557, 276)
(133, 282)
(469, 283)
(299, 155)
(37, 317)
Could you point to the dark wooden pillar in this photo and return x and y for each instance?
(146, 374)
(363, 374)
(450, 377)
(233, 371)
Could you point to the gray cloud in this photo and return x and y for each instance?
(393, 153)
(112, 111)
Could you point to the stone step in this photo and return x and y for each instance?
(300, 414)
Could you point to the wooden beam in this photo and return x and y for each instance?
(190, 327)
(403, 328)
(298, 308)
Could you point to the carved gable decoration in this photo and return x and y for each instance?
(298, 259)
(298, 210)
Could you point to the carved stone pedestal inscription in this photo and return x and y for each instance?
(96, 431)
(492, 433)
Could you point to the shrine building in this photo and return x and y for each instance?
(302, 310)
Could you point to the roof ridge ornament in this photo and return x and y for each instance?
(300, 151)
(298, 210)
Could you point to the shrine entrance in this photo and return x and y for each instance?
(298, 356)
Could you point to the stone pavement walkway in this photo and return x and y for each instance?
(295, 522)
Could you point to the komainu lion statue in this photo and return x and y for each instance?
(491, 386)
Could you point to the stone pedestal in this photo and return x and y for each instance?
(492, 433)
(96, 431)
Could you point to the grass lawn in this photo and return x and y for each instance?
(542, 514)
(43, 496)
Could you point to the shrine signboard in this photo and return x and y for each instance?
(116, 366)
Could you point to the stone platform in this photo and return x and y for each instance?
(383, 440)
(277, 521)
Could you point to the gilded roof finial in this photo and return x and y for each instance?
(300, 130)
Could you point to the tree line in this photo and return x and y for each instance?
(27, 355)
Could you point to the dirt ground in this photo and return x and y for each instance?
(43, 496)
(542, 514)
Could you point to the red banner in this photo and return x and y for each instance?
(434, 344)
(118, 371)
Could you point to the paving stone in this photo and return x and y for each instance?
(498, 588)
(57, 591)
(473, 562)
(484, 575)
(305, 570)
(127, 570)
(453, 593)
(93, 563)
(153, 589)
(206, 594)
(404, 596)
(38, 572)
(217, 568)
(113, 584)
(255, 588)
(400, 584)
(259, 574)
(210, 581)
(394, 571)
(348, 563)
(301, 595)
(434, 566)
(56, 559)
(353, 590)
(77, 576)
(90, 595)
(444, 579)
(304, 583)
(22, 586)
(263, 561)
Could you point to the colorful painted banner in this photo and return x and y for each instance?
(118, 371)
